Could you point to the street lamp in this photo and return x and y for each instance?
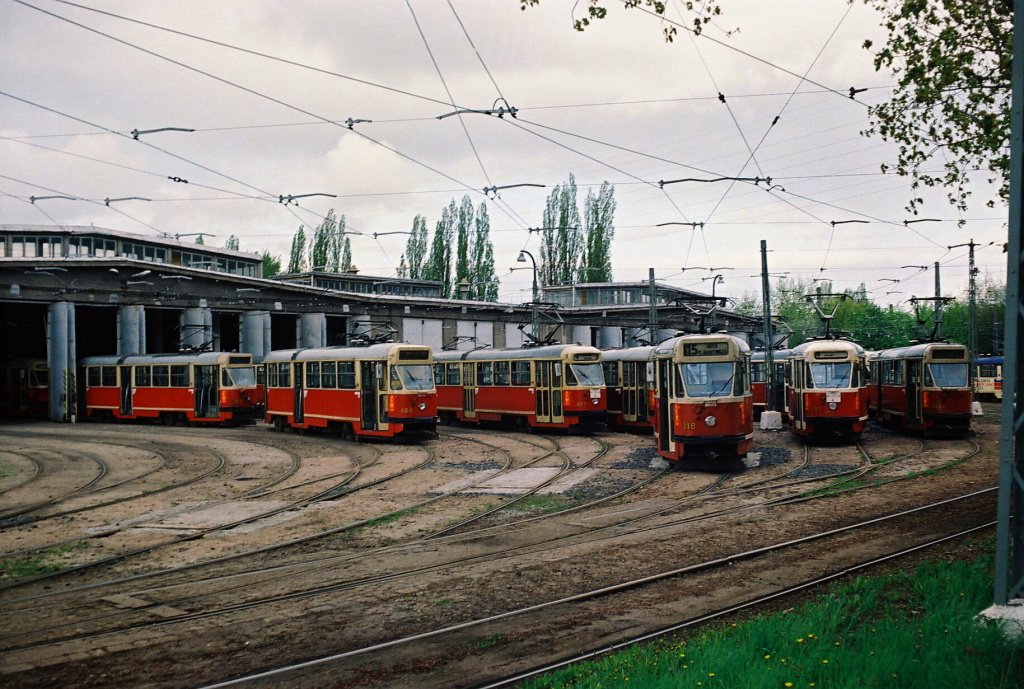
(715, 279)
(535, 316)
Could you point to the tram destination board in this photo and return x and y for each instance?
(706, 349)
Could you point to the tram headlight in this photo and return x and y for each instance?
(710, 421)
(423, 406)
(832, 406)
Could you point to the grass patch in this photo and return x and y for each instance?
(35, 565)
(544, 504)
(490, 642)
(903, 630)
(7, 468)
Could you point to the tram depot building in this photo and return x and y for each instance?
(68, 292)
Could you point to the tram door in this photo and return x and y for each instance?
(557, 414)
(797, 412)
(207, 392)
(299, 390)
(368, 392)
(642, 391)
(543, 391)
(468, 391)
(664, 381)
(914, 372)
(126, 390)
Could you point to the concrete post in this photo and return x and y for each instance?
(62, 358)
(255, 334)
(131, 330)
(313, 330)
(196, 327)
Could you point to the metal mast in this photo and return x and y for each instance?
(1009, 575)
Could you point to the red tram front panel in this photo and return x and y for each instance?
(189, 387)
(703, 411)
(826, 391)
(379, 390)
(556, 386)
(923, 387)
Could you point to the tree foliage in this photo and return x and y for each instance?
(232, 243)
(599, 230)
(472, 261)
(560, 248)
(297, 255)
(951, 105)
(701, 13)
(271, 264)
(416, 249)
(325, 252)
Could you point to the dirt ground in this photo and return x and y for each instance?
(364, 563)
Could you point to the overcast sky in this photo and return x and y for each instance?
(615, 103)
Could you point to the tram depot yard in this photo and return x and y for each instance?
(143, 555)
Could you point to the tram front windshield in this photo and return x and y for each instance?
(708, 380)
(947, 375)
(832, 375)
(587, 375)
(244, 377)
(412, 377)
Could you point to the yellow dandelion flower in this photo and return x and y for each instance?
(824, 662)
(799, 641)
(767, 657)
(711, 674)
(789, 684)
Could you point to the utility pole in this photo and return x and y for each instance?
(1009, 562)
(653, 306)
(972, 307)
(769, 343)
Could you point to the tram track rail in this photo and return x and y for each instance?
(614, 529)
(642, 582)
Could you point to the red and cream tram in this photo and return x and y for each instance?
(923, 387)
(826, 389)
(703, 409)
(196, 387)
(24, 388)
(378, 390)
(627, 376)
(552, 386)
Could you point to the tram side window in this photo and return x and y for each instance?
(110, 376)
(483, 373)
(142, 376)
(611, 373)
(313, 374)
(628, 375)
(161, 376)
(501, 373)
(987, 371)
(438, 374)
(179, 375)
(452, 373)
(328, 377)
(284, 375)
(271, 375)
(347, 375)
(758, 372)
(92, 376)
(521, 373)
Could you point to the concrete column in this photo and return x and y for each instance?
(131, 330)
(313, 330)
(196, 327)
(255, 335)
(610, 337)
(62, 358)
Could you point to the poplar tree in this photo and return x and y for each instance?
(345, 261)
(484, 282)
(324, 250)
(561, 245)
(416, 249)
(599, 227)
(297, 256)
(463, 247)
(438, 265)
(271, 264)
(232, 243)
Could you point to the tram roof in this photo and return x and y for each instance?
(162, 359)
(989, 360)
(916, 350)
(628, 354)
(373, 351)
(545, 352)
(815, 345)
